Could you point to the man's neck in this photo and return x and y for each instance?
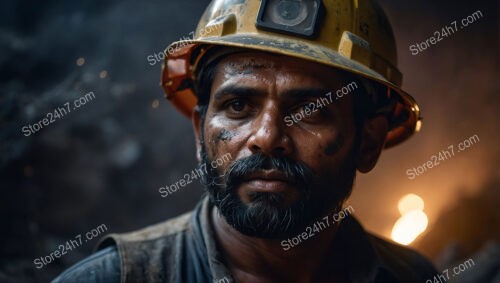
(253, 259)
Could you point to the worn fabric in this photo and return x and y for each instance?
(184, 250)
(101, 267)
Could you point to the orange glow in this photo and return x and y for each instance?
(409, 203)
(412, 222)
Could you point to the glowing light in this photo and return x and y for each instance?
(155, 104)
(80, 61)
(103, 74)
(418, 126)
(413, 221)
(409, 203)
(409, 226)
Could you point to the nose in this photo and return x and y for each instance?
(269, 135)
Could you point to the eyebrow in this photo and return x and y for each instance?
(238, 91)
(299, 93)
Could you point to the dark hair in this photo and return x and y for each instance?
(202, 88)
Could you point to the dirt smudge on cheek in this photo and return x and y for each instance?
(225, 135)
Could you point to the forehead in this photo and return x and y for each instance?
(255, 63)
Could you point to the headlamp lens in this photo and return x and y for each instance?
(290, 12)
(289, 16)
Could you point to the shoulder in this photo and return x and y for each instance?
(154, 232)
(101, 267)
(403, 261)
(143, 245)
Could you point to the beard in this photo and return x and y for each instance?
(267, 215)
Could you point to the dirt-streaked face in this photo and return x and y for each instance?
(292, 162)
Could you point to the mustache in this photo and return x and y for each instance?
(297, 171)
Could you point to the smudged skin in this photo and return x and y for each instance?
(251, 95)
(225, 135)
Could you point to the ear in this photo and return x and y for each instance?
(373, 137)
(196, 119)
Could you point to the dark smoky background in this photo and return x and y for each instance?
(104, 162)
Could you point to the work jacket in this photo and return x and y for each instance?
(184, 250)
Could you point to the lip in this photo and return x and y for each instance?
(268, 181)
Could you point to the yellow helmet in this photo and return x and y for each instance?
(352, 35)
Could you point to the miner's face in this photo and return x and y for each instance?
(291, 161)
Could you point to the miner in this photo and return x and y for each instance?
(259, 62)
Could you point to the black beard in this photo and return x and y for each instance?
(267, 216)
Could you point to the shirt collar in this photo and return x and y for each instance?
(218, 269)
(351, 241)
(361, 260)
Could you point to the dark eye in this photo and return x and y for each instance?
(237, 108)
(237, 105)
(307, 109)
(310, 112)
